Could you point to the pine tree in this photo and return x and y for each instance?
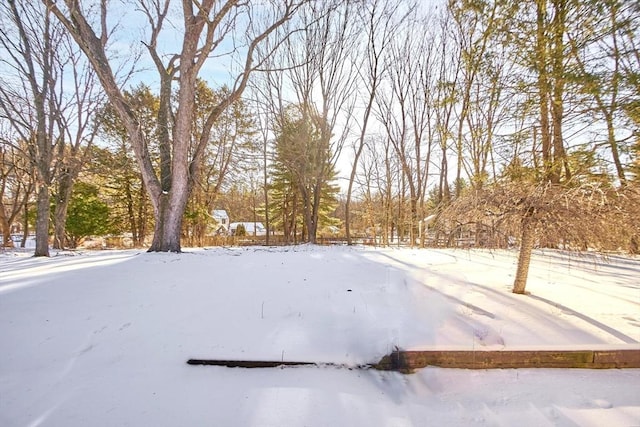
(87, 215)
(303, 170)
(116, 166)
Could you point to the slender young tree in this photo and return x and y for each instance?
(267, 101)
(381, 20)
(409, 120)
(78, 105)
(480, 32)
(448, 72)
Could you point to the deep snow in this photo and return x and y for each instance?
(102, 338)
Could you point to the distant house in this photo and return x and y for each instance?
(250, 227)
(222, 219)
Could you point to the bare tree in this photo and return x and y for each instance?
(393, 112)
(608, 84)
(268, 102)
(448, 70)
(379, 173)
(50, 100)
(281, 197)
(406, 110)
(381, 20)
(29, 101)
(480, 33)
(78, 106)
(16, 185)
(323, 79)
(579, 216)
(204, 27)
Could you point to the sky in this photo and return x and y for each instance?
(221, 69)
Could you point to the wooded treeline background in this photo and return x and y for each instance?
(489, 123)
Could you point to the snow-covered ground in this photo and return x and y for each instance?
(102, 338)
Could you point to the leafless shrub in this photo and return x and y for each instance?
(577, 217)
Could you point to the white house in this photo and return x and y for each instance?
(222, 219)
(250, 227)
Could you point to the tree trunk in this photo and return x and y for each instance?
(25, 225)
(560, 164)
(347, 206)
(265, 183)
(308, 217)
(413, 221)
(524, 257)
(59, 219)
(544, 92)
(142, 218)
(42, 222)
(6, 229)
(65, 187)
(354, 166)
(131, 218)
(168, 229)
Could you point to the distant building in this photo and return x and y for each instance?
(249, 227)
(222, 219)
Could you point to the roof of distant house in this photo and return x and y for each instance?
(220, 213)
(248, 226)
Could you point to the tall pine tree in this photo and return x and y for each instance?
(303, 171)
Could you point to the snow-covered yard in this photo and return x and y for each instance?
(102, 338)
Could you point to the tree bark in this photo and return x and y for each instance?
(42, 222)
(6, 229)
(560, 164)
(544, 91)
(63, 197)
(527, 241)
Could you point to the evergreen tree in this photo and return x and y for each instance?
(302, 163)
(115, 167)
(87, 215)
(284, 204)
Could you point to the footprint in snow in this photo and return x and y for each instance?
(488, 337)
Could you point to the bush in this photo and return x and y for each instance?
(241, 230)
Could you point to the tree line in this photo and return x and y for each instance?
(493, 122)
